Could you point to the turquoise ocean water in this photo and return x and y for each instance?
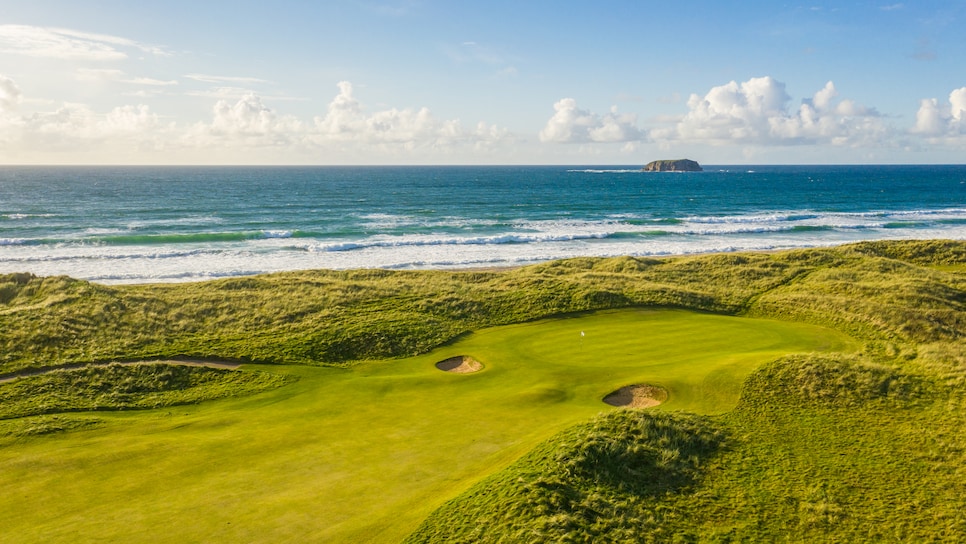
(148, 224)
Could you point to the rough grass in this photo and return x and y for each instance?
(880, 291)
(42, 425)
(606, 479)
(127, 387)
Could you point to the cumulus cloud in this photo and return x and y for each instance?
(10, 97)
(345, 130)
(570, 124)
(78, 122)
(947, 119)
(10, 94)
(756, 112)
(347, 121)
(247, 122)
(957, 102)
(248, 115)
(62, 43)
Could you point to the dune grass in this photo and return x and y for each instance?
(336, 317)
(830, 410)
(365, 453)
(126, 387)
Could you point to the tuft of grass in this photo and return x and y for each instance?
(126, 387)
(44, 425)
(833, 380)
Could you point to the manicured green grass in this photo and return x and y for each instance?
(366, 453)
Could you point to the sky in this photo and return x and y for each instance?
(606, 82)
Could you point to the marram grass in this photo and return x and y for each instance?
(126, 387)
(333, 318)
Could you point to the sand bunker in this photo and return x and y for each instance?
(461, 364)
(637, 396)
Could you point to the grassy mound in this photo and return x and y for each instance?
(126, 387)
(601, 480)
(820, 450)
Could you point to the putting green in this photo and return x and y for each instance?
(364, 454)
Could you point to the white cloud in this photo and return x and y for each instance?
(247, 122)
(344, 115)
(61, 43)
(957, 103)
(248, 115)
(97, 75)
(571, 124)
(242, 129)
(937, 120)
(347, 121)
(10, 98)
(78, 122)
(151, 82)
(129, 120)
(74, 129)
(929, 118)
(222, 93)
(204, 78)
(756, 112)
(10, 95)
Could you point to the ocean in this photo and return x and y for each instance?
(175, 224)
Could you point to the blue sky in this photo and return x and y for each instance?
(448, 82)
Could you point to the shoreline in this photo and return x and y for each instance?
(476, 269)
(187, 225)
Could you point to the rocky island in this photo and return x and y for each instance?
(680, 165)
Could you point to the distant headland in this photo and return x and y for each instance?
(679, 165)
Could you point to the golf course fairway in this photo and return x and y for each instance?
(365, 453)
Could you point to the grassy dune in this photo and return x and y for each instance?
(814, 395)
